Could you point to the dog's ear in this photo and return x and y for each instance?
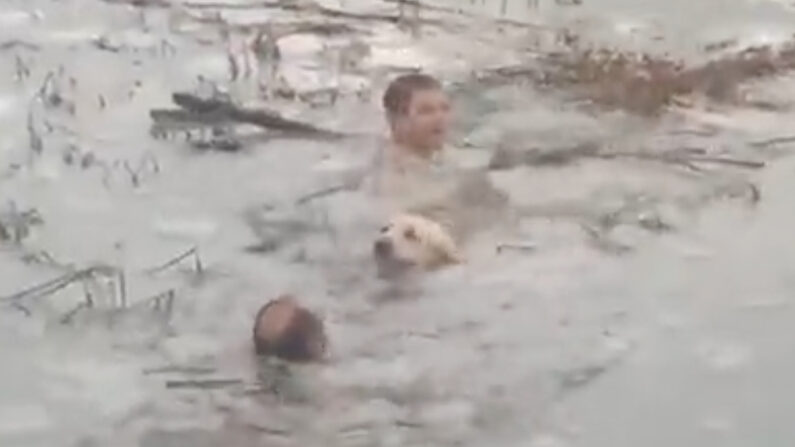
(448, 252)
(456, 257)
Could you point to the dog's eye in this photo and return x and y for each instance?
(410, 234)
(384, 229)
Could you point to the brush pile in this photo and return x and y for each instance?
(645, 84)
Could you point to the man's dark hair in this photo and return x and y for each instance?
(397, 96)
(300, 342)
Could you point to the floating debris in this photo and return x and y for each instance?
(218, 112)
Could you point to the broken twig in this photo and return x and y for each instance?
(515, 247)
(203, 384)
(773, 141)
(192, 252)
(326, 192)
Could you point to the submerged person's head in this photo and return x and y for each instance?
(284, 329)
(418, 112)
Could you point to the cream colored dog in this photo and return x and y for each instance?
(409, 242)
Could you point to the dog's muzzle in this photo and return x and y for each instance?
(382, 247)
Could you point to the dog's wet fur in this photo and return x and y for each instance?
(411, 242)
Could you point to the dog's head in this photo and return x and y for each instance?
(411, 241)
(285, 329)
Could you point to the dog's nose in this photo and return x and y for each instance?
(382, 247)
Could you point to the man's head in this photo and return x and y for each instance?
(418, 112)
(284, 329)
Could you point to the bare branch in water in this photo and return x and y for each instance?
(46, 288)
(755, 194)
(687, 161)
(515, 247)
(268, 430)
(17, 43)
(460, 12)
(164, 302)
(89, 297)
(772, 141)
(45, 85)
(203, 384)
(325, 192)
(408, 424)
(35, 142)
(687, 157)
(133, 174)
(600, 241)
(67, 317)
(192, 252)
(122, 288)
(215, 111)
(54, 285)
(39, 257)
(179, 369)
(22, 309)
(21, 68)
(197, 262)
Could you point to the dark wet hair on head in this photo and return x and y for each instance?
(397, 96)
(303, 339)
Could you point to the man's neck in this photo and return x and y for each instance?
(415, 152)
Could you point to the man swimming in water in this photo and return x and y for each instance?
(418, 114)
(417, 172)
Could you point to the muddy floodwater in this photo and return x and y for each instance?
(643, 296)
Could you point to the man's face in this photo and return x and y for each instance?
(427, 118)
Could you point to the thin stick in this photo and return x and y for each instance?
(772, 141)
(133, 174)
(178, 369)
(123, 289)
(54, 284)
(174, 261)
(728, 161)
(42, 92)
(515, 247)
(17, 43)
(696, 132)
(204, 384)
(168, 307)
(269, 430)
(35, 141)
(408, 424)
(685, 159)
(460, 12)
(150, 158)
(87, 293)
(323, 193)
(67, 318)
(197, 262)
(22, 309)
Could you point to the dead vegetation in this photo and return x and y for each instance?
(105, 290)
(689, 158)
(16, 225)
(646, 84)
